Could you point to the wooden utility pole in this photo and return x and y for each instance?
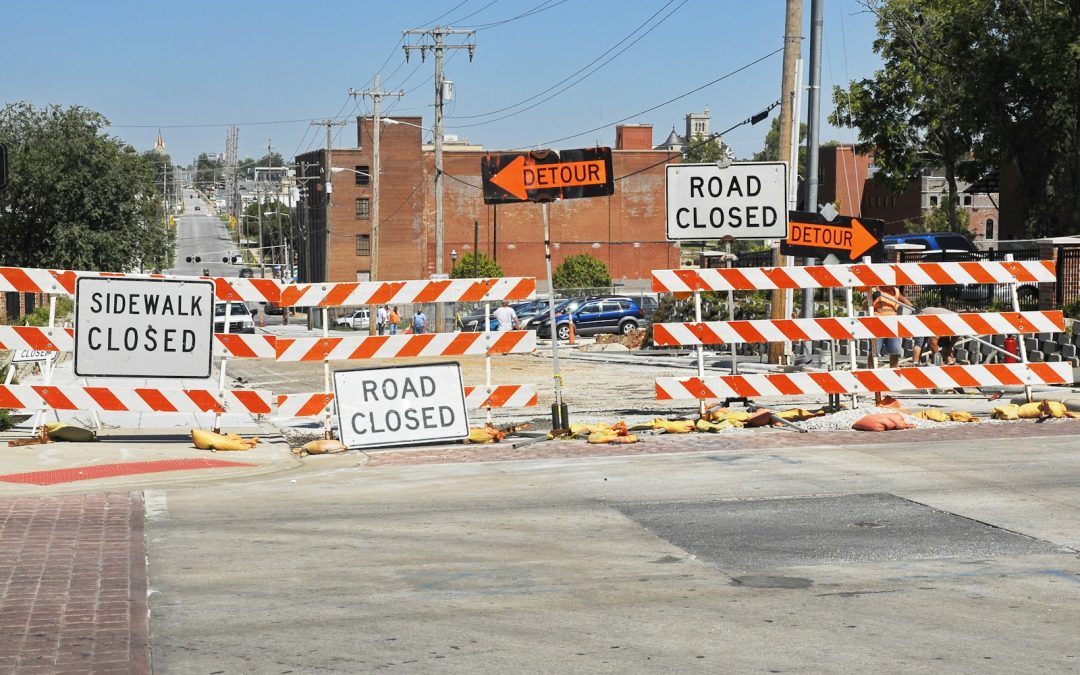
(437, 46)
(792, 50)
(376, 95)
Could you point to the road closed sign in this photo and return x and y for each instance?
(379, 407)
(746, 200)
(143, 327)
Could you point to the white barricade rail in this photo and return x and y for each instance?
(133, 399)
(334, 294)
(853, 276)
(862, 381)
(856, 328)
(495, 396)
(399, 346)
(233, 345)
(62, 282)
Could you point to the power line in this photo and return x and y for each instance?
(542, 7)
(670, 100)
(575, 73)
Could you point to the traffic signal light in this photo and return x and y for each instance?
(193, 259)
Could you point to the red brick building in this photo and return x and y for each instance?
(625, 231)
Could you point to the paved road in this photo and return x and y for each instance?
(890, 557)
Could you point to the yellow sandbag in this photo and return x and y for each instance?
(210, 440)
(961, 416)
(799, 414)
(1005, 412)
(322, 446)
(607, 437)
(1032, 411)
(1055, 408)
(932, 414)
(485, 435)
(673, 426)
(58, 431)
(736, 417)
(579, 429)
(713, 427)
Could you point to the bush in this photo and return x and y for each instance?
(486, 268)
(581, 271)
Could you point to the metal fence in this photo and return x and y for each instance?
(972, 297)
(1068, 275)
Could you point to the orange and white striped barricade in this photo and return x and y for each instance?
(856, 328)
(234, 345)
(476, 397)
(873, 381)
(64, 282)
(400, 293)
(685, 282)
(133, 399)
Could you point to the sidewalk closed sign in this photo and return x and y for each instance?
(143, 327)
(401, 405)
(746, 200)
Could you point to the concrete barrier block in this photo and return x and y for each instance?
(1068, 351)
(1035, 356)
(1054, 358)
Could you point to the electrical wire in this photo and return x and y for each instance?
(576, 73)
(542, 7)
(467, 16)
(670, 100)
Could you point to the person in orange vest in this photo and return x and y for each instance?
(887, 301)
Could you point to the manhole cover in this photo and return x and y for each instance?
(767, 533)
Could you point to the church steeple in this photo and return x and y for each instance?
(159, 145)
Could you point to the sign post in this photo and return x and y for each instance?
(400, 405)
(543, 176)
(143, 327)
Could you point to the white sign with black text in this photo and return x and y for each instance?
(745, 200)
(400, 405)
(32, 355)
(143, 327)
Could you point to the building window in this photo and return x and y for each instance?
(363, 175)
(363, 208)
(933, 201)
(967, 200)
(989, 228)
(363, 244)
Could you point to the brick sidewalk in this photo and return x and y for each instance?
(73, 585)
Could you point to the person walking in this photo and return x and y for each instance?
(381, 317)
(886, 301)
(418, 321)
(394, 319)
(506, 317)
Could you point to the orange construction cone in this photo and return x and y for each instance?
(571, 341)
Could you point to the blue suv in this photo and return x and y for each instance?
(591, 315)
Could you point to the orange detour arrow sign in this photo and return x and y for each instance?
(848, 238)
(517, 177)
(545, 175)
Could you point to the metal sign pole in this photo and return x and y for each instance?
(221, 370)
(487, 354)
(327, 434)
(559, 412)
(1019, 338)
(850, 306)
(731, 311)
(700, 351)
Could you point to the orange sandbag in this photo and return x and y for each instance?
(881, 422)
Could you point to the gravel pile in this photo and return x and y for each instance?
(843, 420)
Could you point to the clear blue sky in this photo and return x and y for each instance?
(193, 68)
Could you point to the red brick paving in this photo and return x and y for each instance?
(73, 585)
(705, 442)
(90, 472)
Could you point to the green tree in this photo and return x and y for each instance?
(207, 173)
(486, 268)
(276, 229)
(705, 150)
(78, 198)
(918, 110)
(1026, 59)
(581, 271)
(938, 221)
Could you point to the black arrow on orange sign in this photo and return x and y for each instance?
(855, 240)
(517, 177)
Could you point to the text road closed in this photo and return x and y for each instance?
(742, 201)
(400, 405)
(143, 327)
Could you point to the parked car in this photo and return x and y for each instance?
(357, 320)
(474, 321)
(272, 308)
(241, 319)
(933, 241)
(593, 315)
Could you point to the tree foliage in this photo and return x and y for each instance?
(771, 151)
(486, 268)
(997, 80)
(581, 271)
(78, 198)
(276, 227)
(705, 150)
